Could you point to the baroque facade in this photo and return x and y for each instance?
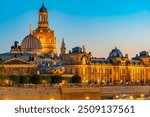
(45, 34)
(41, 41)
(17, 66)
(37, 54)
(116, 69)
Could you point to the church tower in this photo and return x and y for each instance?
(45, 34)
(63, 48)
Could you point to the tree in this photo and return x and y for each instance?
(76, 79)
(14, 79)
(3, 79)
(56, 79)
(24, 79)
(46, 79)
(67, 79)
(36, 79)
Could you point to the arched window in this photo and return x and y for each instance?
(45, 18)
(40, 18)
(84, 61)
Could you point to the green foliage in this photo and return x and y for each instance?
(35, 79)
(27, 79)
(47, 79)
(3, 78)
(24, 79)
(66, 79)
(76, 79)
(56, 79)
(14, 78)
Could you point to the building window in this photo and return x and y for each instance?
(84, 60)
(123, 71)
(110, 71)
(71, 71)
(40, 18)
(38, 72)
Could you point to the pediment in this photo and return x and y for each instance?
(16, 61)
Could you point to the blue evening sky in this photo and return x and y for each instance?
(100, 25)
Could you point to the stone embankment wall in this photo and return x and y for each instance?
(105, 92)
(68, 93)
(129, 90)
(23, 93)
(80, 93)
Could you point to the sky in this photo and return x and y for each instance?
(100, 25)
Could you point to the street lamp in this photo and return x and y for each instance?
(117, 96)
(142, 95)
(131, 97)
(52, 99)
(87, 98)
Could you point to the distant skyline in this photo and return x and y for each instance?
(100, 25)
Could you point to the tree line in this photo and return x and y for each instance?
(37, 79)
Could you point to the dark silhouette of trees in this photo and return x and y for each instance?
(56, 79)
(35, 79)
(24, 79)
(76, 79)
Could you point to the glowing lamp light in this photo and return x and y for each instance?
(87, 98)
(117, 96)
(7, 81)
(142, 95)
(131, 97)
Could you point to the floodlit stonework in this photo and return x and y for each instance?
(38, 55)
(45, 34)
(116, 69)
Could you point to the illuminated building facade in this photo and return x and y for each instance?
(45, 34)
(41, 41)
(116, 69)
(17, 62)
(18, 66)
(38, 54)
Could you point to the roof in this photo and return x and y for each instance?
(100, 61)
(30, 42)
(115, 53)
(22, 53)
(43, 9)
(16, 61)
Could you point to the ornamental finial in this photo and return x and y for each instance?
(31, 29)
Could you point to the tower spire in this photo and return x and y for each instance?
(63, 41)
(63, 48)
(31, 29)
(42, 2)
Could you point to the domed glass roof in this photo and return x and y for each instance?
(115, 53)
(31, 43)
